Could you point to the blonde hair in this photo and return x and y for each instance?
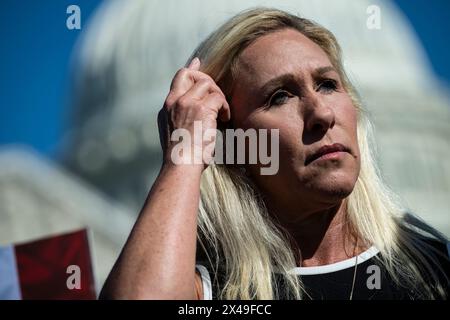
(236, 232)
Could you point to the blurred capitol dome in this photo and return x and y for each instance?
(131, 50)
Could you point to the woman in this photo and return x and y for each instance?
(324, 226)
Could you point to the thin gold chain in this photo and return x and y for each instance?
(354, 278)
(307, 294)
(353, 281)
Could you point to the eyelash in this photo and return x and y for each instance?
(331, 85)
(328, 84)
(275, 95)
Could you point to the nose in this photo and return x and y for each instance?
(319, 115)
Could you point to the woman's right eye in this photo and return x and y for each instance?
(279, 98)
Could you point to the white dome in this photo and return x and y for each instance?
(131, 50)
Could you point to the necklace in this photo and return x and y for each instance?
(354, 272)
(354, 278)
(353, 281)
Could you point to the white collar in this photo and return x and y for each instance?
(341, 265)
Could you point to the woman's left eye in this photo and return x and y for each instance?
(327, 85)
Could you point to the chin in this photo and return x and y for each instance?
(336, 186)
(337, 193)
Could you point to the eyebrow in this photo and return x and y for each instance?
(279, 81)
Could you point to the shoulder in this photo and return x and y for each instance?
(436, 248)
(426, 238)
(439, 252)
(440, 246)
(437, 272)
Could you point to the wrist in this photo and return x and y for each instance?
(184, 168)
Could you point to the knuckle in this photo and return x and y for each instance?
(217, 96)
(208, 80)
(204, 81)
(183, 102)
(170, 101)
(181, 71)
(208, 77)
(180, 74)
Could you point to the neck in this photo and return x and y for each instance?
(322, 237)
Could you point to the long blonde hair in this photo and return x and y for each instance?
(235, 230)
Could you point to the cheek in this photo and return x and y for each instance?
(352, 119)
(348, 112)
(288, 150)
(289, 127)
(347, 118)
(348, 121)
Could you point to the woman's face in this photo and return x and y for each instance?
(285, 81)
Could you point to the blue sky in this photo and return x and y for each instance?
(431, 21)
(36, 47)
(34, 67)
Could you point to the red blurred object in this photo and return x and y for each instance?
(43, 267)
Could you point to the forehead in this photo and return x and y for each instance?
(284, 51)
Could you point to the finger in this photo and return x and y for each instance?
(202, 89)
(213, 101)
(195, 64)
(185, 78)
(179, 89)
(225, 112)
(220, 104)
(199, 90)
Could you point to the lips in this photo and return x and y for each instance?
(336, 147)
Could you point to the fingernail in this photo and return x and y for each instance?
(195, 63)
